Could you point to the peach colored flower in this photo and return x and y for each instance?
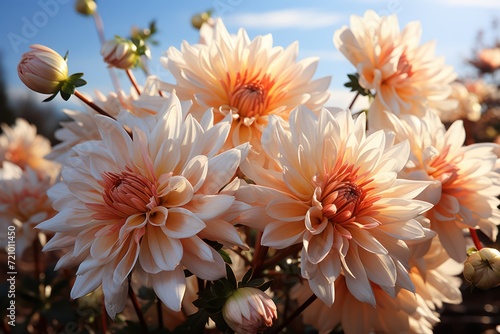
(406, 76)
(487, 60)
(337, 194)
(42, 69)
(406, 313)
(22, 146)
(249, 310)
(465, 182)
(23, 203)
(83, 126)
(468, 108)
(249, 78)
(142, 203)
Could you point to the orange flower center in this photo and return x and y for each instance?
(403, 70)
(125, 194)
(250, 95)
(18, 155)
(343, 197)
(442, 169)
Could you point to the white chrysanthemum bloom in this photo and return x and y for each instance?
(251, 78)
(83, 126)
(406, 313)
(22, 146)
(23, 203)
(336, 193)
(468, 108)
(406, 76)
(143, 202)
(465, 182)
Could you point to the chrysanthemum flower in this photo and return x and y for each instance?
(22, 146)
(406, 77)
(143, 203)
(406, 313)
(251, 78)
(337, 194)
(83, 126)
(23, 203)
(465, 182)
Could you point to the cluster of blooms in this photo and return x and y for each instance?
(239, 155)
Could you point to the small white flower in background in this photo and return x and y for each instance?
(249, 311)
(23, 203)
(42, 69)
(21, 145)
(482, 268)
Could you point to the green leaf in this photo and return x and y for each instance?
(353, 83)
(247, 276)
(230, 276)
(225, 256)
(50, 98)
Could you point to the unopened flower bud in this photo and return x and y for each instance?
(86, 7)
(120, 53)
(198, 19)
(482, 268)
(249, 310)
(42, 69)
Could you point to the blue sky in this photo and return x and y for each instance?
(452, 23)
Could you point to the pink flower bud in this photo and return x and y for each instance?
(482, 268)
(120, 53)
(249, 311)
(42, 69)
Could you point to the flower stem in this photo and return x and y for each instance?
(36, 260)
(133, 81)
(137, 307)
(260, 253)
(353, 100)
(160, 313)
(295, 314)
(104, 318)
(280, 255)
(475, 238)
(92, 104)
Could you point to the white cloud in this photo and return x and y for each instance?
(300, 18)
(472, 3)
(324, 55)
